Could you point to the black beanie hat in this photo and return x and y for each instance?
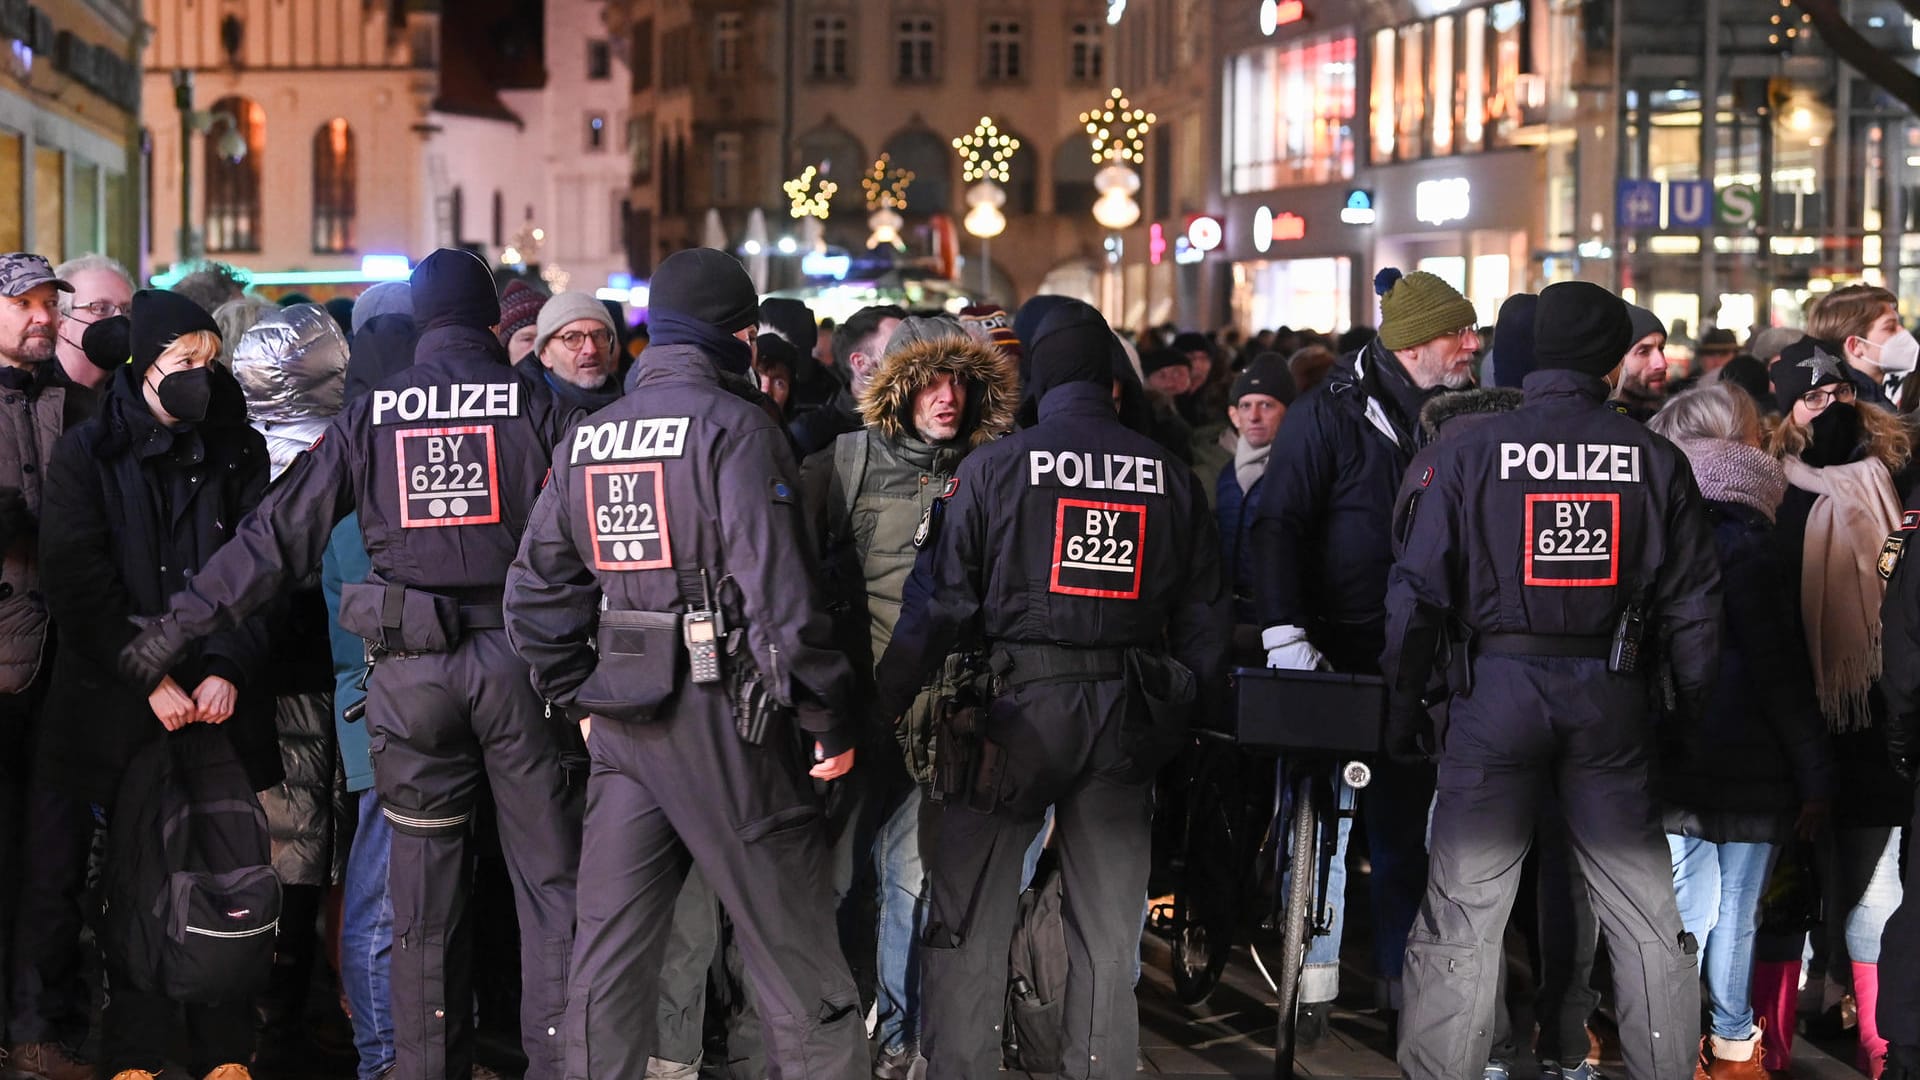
(1191, 341)
(1580, 326)
(1803, 365)
(454, 288)
(1513, 339)
(108, 342)
(1072, 344)
(160, 316)
(707, 286)
(1265, 374)
(1155, 359)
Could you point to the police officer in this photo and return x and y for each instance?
(1564, 541)
(1084, 556)
(443, 460)
(1898, 1010)
(663, 588)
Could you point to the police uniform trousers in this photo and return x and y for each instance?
(1528, 720)
(1898, 1011)
(441, 725)
(686, 790)
(1061, 747)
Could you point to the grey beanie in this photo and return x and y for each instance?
(569, 307)
(386, 298)
(1644, 322)
(915, 329)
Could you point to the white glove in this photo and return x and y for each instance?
(1287, 647)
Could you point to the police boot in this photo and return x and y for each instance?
(1735, 1059)
(230, 1072)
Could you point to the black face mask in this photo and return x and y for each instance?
(1836, 436)
(186, 394)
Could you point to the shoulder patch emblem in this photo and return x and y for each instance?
(783, 492)
(1890, 555)
(1426, 477)
(1908, 521)
(953, 485)
(317, 441)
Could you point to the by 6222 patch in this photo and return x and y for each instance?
(1098, 549)
(1573, 541)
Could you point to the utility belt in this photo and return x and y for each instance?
(969, 769)
(397, 620)
(1622, 650)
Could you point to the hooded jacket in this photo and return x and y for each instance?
(869, 493)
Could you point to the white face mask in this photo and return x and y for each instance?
(1899, 354)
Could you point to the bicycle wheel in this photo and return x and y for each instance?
(1296, 917)
(1209, 888)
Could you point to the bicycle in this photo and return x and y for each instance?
(1321, 725)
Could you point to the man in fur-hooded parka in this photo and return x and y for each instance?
(870, 492)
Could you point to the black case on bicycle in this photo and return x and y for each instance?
(1319, 711)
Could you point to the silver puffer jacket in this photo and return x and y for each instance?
(293, 366)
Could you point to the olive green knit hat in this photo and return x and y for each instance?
(1418, 307)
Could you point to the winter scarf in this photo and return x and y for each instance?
(1249, 463)
(1840, 584)
(1733, 472)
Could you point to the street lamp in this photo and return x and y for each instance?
(986, 157)
(886, 188)
(232, 146)
(1117, 131)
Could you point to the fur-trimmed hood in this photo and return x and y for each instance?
(1480, 401)
(992, 380)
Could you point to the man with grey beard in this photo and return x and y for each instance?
(1322, 546)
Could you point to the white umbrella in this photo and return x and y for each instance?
(711, 233)
(756, 245)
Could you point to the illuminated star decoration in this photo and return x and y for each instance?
(1117, 130)
(985, 152)
(886, 186)
(1822, 365)
(805, 198)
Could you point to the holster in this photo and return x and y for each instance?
(755, 709)
(399, 620)
(956, 745)
(1160, 694)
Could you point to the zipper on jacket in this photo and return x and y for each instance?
(269, 928)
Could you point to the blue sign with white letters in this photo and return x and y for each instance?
(1638, 204)
(1689, 204)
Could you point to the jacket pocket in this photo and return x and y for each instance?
(399, 618)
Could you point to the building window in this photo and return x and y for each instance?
(1086, 58)
(674, 70)
(913, 49)
(233, 187)
(499, 220)
(334, 191)
(599, 60)
(596, 132)
(1287, 115)
(1448, 85)
(640, 55)
(726, 168)
(827, 47)
(640, 148)
(1003, 49)
(729, 41)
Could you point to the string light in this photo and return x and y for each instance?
(986, 153)
(1118, 130)
(886, 186)
(805, 198)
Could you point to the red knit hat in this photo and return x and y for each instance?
(520, 305)
(990, 325)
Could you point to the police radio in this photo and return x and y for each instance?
(702, 631)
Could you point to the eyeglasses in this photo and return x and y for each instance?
(576, 338)
(1818, 399)
(103, 309)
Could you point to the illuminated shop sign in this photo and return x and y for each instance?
(1269, 227)
(1359, 208)
(1205, 232)
(1275, 14)
(1437, 202)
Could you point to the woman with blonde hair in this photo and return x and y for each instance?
(1841, 455)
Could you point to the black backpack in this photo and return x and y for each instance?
(188, 901)
(1034, 1037)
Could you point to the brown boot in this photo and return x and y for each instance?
(47, 1061)
(135, 1074)
(230, 1072)
(1736, 1059)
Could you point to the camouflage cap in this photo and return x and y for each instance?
(23, 270)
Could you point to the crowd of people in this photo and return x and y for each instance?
(736, 631)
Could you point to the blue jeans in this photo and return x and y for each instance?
(1718, 887)
(903, 916)
(1320, 978)
(366, 939)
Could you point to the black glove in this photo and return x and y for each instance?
(1903, 1063)
(1409, 730)
(16, 518)
(151, 654)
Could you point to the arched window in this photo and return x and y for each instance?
(932, 161)
(1073, 171)
(233, 152)
(334, 191)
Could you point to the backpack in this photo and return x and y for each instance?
(1034, 1036)
(188, 902)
